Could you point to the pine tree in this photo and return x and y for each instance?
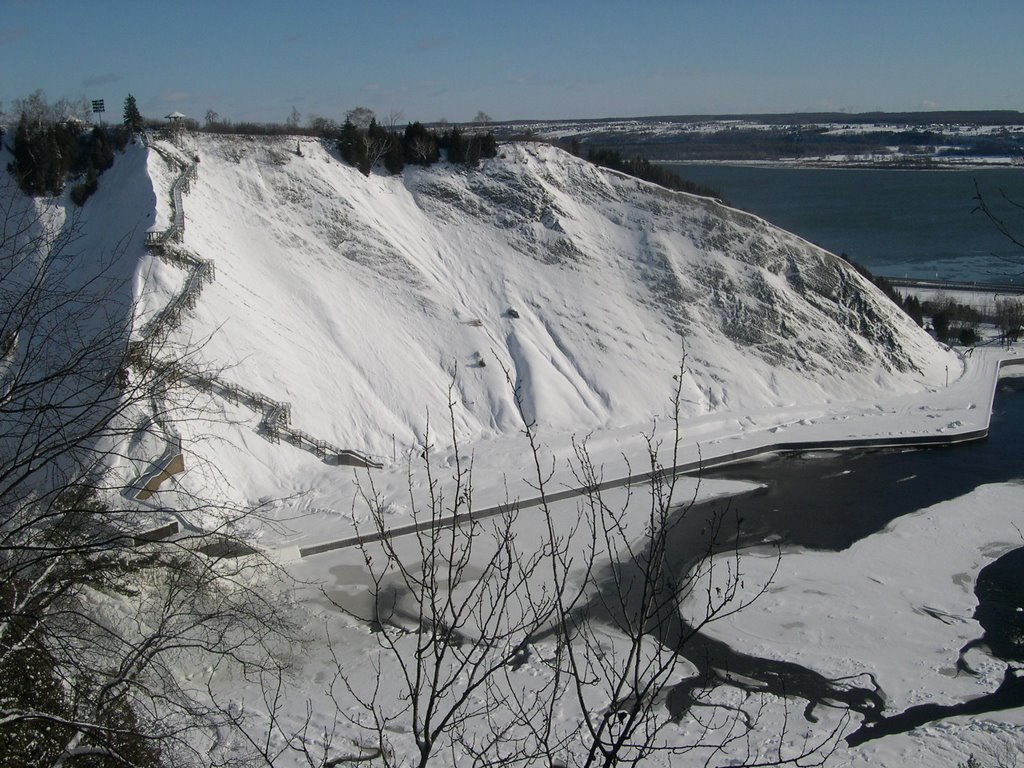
(352, 145)
(132, 117)
(25, 165)
(101, 152)
(488, 144)
(456, 146)
(419, 144)
(394, 158)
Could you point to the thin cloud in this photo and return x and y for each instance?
(105, 79)
(174, 97)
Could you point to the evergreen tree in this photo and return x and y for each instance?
(472, 152)
(456, 146)
(376, 132)
(101, 152)
(352, 145)
(488, 144)
(394, 157)
(24, 166)
(419, 144)
(81, 192)
(47, 154)
(132, 117)
(53, 171)
(43, 155)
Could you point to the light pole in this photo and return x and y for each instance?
(99, 108)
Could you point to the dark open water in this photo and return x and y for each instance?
(828, 503)
(897, 223)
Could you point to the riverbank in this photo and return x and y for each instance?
(503, 470)
(863, 163)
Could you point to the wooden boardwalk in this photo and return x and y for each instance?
(276, 422)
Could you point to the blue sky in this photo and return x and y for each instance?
(256, 60)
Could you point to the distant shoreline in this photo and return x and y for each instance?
(856, 165)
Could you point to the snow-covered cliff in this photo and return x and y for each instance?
(360, 299)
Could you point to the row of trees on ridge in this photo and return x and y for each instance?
(417, 145)
(642, 168)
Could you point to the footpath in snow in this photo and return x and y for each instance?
(958, 413)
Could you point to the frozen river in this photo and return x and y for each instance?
(829, 501)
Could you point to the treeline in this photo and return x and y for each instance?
(796, 141)
(642, 168)
(47, 155)
(953, 321)
(54, 144)
(250, 128)
(416, 145)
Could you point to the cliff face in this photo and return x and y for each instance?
(360, 300)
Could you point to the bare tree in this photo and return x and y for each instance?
(99, 621)
(360, 117)
(628, 610)
(323, 126)
(378, 144)
(394, 118)
(450, 619)
(1009, 315)
(39, 111)
(35, 108)
(423, 149)
(1000, 221)
(73, 109)
(592, 600)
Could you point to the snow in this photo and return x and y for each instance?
(361, 300)
(369, 305)
(899, 603)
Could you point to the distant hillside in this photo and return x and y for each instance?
(951, 117)
(904, 138)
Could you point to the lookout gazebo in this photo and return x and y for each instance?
(176, 125)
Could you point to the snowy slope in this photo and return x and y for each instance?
(360, 299)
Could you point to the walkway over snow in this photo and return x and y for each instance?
(945, 416)
(276, 416)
